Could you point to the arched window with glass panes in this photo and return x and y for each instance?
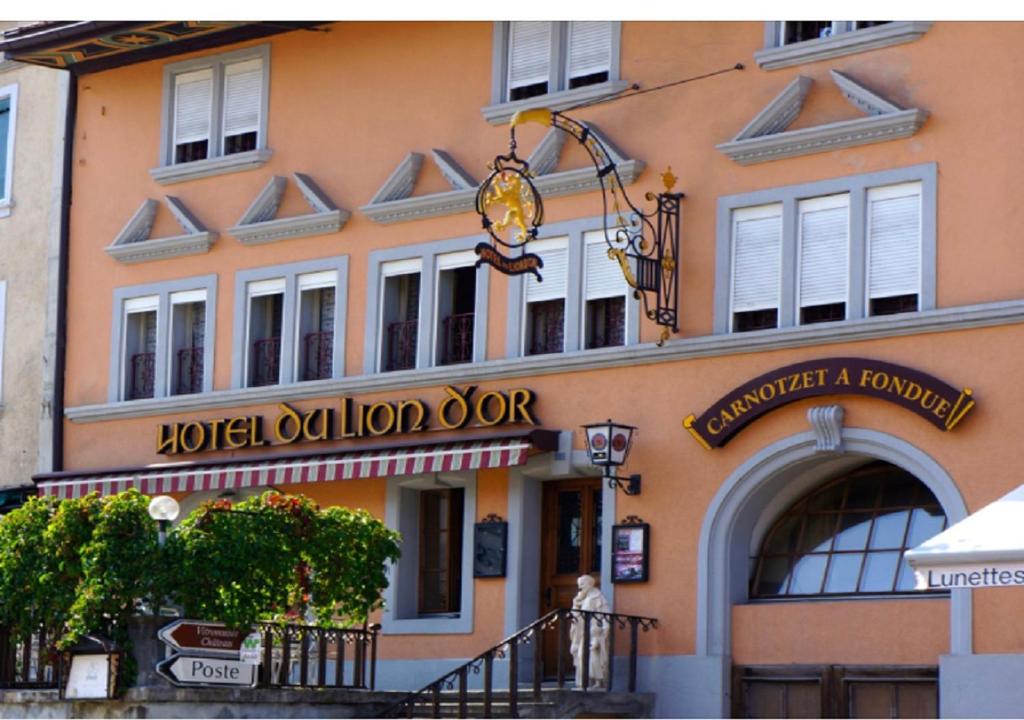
(848, 536)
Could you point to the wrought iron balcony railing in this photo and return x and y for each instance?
(457, 331)
(266, 362)
(401, 348)
(319, 351)
(143, 370)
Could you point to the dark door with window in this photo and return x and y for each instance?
(835, 691)
(571, 546)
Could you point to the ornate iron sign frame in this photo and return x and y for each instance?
(645, 244)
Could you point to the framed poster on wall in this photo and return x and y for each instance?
(630, 551)
(490, 542)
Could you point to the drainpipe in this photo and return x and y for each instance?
(60, 350)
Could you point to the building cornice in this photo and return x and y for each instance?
(931, 321)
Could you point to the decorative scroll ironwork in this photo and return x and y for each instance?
(308, 656)
(319, 348)
(143, 371)
(190, 371)
(428, 699)
(266, 355)
(458, 338)
(402, 345)
(645, 244)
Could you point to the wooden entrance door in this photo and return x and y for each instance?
(570, 547)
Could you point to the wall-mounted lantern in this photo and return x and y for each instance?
(608, 445)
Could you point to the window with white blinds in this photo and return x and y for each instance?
(602, 275)
(846, 248)
(193, 100)
(217, 105)
(757, 246)
(590, 45)
(894, 241)
(529, 55)
(555, 255)
(824, 248)
(547, 57)
(243, 85)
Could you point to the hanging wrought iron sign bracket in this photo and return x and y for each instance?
(645, 244)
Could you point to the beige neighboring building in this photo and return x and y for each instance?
(32, 119)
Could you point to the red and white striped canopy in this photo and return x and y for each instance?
(506, 452)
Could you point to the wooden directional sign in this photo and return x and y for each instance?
(195, 670)
(198, 637)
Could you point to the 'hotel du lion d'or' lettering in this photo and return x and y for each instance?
(460, 408)
(937, 402)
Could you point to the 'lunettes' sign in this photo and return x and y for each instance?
(937, 402)
(459, 409)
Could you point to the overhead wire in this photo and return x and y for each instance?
(636, 89)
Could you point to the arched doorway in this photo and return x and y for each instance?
(758, 492)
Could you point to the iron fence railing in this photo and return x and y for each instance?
(458, 338)
(307, 656)
(28, 663)
(319, 351)
(401, 353)
(556, 625)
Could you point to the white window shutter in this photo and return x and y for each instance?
(529, 54)
(603, 275)
(824, 249)
(243, 87)
(590, 48)
(756, 265)
(193, 96)
(555, 273)
(894, 240)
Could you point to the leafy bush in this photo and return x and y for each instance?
(277, 557)
(87, 565)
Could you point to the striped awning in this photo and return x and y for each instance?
(449, 457)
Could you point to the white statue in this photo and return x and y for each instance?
(590, 597)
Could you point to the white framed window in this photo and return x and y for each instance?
(605, 295)
(455, 314)
(552, 64)
(289, 323)
(8, 117)
(431, 589)
(835, 250)
(426, 306)
(215, 114)
(544, 310)
(583, 301)
(400, 314)
(793, 42)
(162, 339)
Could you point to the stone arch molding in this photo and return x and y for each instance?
(762, 487)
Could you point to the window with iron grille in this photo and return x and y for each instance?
(266, 307)
(456, 312)
(848, 537)
(159, 342)
(216, 106)
(188, 337)
(400, 314)
(544, 327)
(140, 348)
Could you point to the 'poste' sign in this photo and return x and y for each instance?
(460, 408)
(928, 397)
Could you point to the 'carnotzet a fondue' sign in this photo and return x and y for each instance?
(940, 404)
(459, 409)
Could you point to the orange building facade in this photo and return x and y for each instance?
(271, 282)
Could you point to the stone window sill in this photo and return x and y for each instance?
(880, 36)
(171, 174)
(499, 113)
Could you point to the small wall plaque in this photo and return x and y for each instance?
(631, 541)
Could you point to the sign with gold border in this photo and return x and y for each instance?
(939, 403)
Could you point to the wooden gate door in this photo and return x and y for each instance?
(570, 547)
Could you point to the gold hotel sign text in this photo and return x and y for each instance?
(457, 410)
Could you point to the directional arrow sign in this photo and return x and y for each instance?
(197, 637)
(194, 670)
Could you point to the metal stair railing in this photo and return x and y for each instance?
(558, 621)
